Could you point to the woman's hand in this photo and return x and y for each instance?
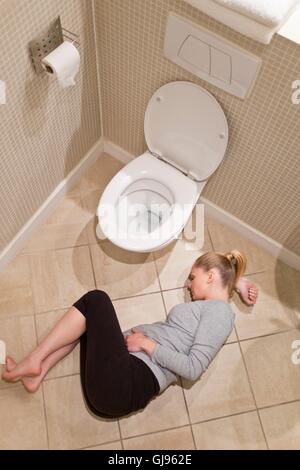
(247, 290)
(137, 341)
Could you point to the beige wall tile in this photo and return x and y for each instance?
(274, 377)
(282, 426)
(60, 277)
(45, 130)
(16, 297)
(23, 424)
(68, 365)
(70, 425)
(222, 390)
(179, 296)
(122, 273)
(269, 314)
(174, 439)
(140, 310)
(19, 335)
(158, 415)
(240, 432)
(175, 261)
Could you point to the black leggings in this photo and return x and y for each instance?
(114, 382)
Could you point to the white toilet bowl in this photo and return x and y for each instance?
(149, 201)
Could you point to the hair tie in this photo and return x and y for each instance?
(231, 259)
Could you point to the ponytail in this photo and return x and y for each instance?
(231, 266)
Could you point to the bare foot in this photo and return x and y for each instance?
(29, 367)
(248, 291)
(30, 383)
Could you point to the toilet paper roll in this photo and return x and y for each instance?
(64, 62)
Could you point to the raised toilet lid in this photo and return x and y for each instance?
(186, 126)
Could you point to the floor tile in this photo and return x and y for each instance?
(175, 261)
(68, 365)
(158, 415)
(224, 239)
(175, 439)
(240, 432)
(64, 228)
(100, 173)
(90, 202)
(16, 296)
(122, 273)
(274, 377)
(269, 314)
(222, 390)
(282, 426)
(70, 425)
(23, 424)
(289, 291)
(19, 335)
(140, 310)
(60, 277)
(179, 296)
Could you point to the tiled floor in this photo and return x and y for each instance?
(249, 398)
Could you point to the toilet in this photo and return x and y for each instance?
(149, 201)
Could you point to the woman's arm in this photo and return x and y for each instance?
(212, 332)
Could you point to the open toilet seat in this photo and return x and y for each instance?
(149, 188)
(149, 201)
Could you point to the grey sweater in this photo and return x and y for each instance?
(188, 340)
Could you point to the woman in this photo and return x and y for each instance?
(122, 372)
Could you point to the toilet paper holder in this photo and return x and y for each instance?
(48, 41)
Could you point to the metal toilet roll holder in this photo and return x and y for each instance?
(47, 42)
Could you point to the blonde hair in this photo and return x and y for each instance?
(231, 266)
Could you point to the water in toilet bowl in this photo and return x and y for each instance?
(143, 207)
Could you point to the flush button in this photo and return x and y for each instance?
(220, 65)
(196, 53)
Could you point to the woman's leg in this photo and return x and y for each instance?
(68, 329)
(32, 383)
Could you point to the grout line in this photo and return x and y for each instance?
(37, 342)
(252, 391)
(43, 392)
(96, 445)
(120, 433)
(210, 237)
(161, 292)
(188, 413)
(268, 334)
(158, 431)
(93, 269)
(49, 250)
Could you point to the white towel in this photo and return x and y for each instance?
(235, 20)
(269, 12)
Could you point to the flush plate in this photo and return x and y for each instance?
(210, 56)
